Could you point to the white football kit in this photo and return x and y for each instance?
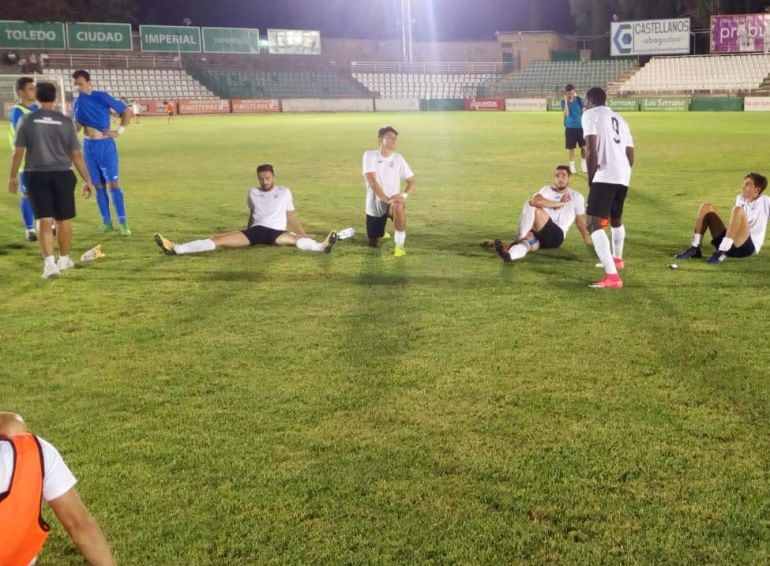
(57, 477)
(269, 208)
(564, 216)
(390, 171)
(613, 136)
(757, 211)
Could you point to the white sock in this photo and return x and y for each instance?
(726, 244)
(308, 245)
(518, 251)
(696, 239)
(196, 246)
(602, 248)
(526, 220)
(399, 237)
(618, 238)
(64, 257)
(584, 164)
(48, 260)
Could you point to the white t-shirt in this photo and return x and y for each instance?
(612, 138)
(136, 109)
(564, 216)
(757, 211)
(57, 480)
(269, 208)
(390, 172)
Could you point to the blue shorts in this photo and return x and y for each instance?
(102, 160)
(22, 184)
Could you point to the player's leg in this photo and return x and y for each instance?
(109, 163)
(532, 220)
(375, 228)
(598, 210)
(90, 155)
(617, 230)
(706, 219)
(570, 142)
(41, 196)
(25, 207)
(64, 212)
(736, 241)
(307, 244)
(397, 213)
(582, 144)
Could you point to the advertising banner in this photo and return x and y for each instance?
(303, 42)
(526, 104)
(213, 106)
(39, 35)
(740, 33)
(650, 37)
(554, 104)
(657, 104)
(396, 104)
(172, 39)
(327, 105)
(258, 106)
(98, 37)
(485, 104)
(756, 104)
(230, 40)
(623, 104)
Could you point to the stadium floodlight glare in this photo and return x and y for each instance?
(406, 30)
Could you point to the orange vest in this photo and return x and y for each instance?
(22, 528)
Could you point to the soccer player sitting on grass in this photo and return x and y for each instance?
(271, 209)
(744, 235)
(546, 218)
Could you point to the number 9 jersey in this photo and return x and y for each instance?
(613, 136)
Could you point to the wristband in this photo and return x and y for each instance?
(405, 195)
(121, 129)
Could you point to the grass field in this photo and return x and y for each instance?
(272, 406)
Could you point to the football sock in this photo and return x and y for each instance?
(518, 251)
(64, 257)
(726, 244)
(196, 246)
(48, 260)
(308, 245)
(696, 239)
(618, 239)
(119, 204)
(26, 213)
(602, 248)
(103, 202)
(526, 220)
(399, 237)
(584, 164)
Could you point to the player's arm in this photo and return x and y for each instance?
(78, 125)
(371, 177)
(539, 201)
(630, 155)
(13, 177)
(591, 157)
(401, 197)
(293, 222)
(580, 224)
(82, 528)
(565, 106)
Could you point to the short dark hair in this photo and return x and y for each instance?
(82, 73)
(45, 92)
(265, 167)
(760, 181)
(384, 130)
(596, 96)
(569, 87)
(22, 82)
(562, 168)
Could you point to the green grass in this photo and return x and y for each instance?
(268, 405)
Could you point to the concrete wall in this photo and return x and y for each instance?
(524, 47)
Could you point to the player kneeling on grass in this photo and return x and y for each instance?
(271, 209)
(546, 218)
(745, 234)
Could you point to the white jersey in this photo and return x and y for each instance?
(269, 208)
(390, 171)
(757, 211)
(564, 216)
(57, 479)
(612, 138)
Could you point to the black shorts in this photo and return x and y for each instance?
(574, 137)
(746, 250)
(375, 225)
(51, 193)
(262, 235)
(605, 200)
(550, 236)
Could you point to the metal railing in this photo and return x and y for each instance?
(78, 60)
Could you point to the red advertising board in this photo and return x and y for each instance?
(257, 106)
(485, 104)
(203, 107)
(150, 107)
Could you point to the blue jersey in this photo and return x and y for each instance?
(93, 110)
(575, 113)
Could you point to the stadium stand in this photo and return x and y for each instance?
(706, 73)
(424, 80)
(548, 78)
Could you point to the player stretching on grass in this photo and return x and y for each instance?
(91, 111)
(271, 209)
(610, 156)
(546, 218)
(746, 231)
(383, 171)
